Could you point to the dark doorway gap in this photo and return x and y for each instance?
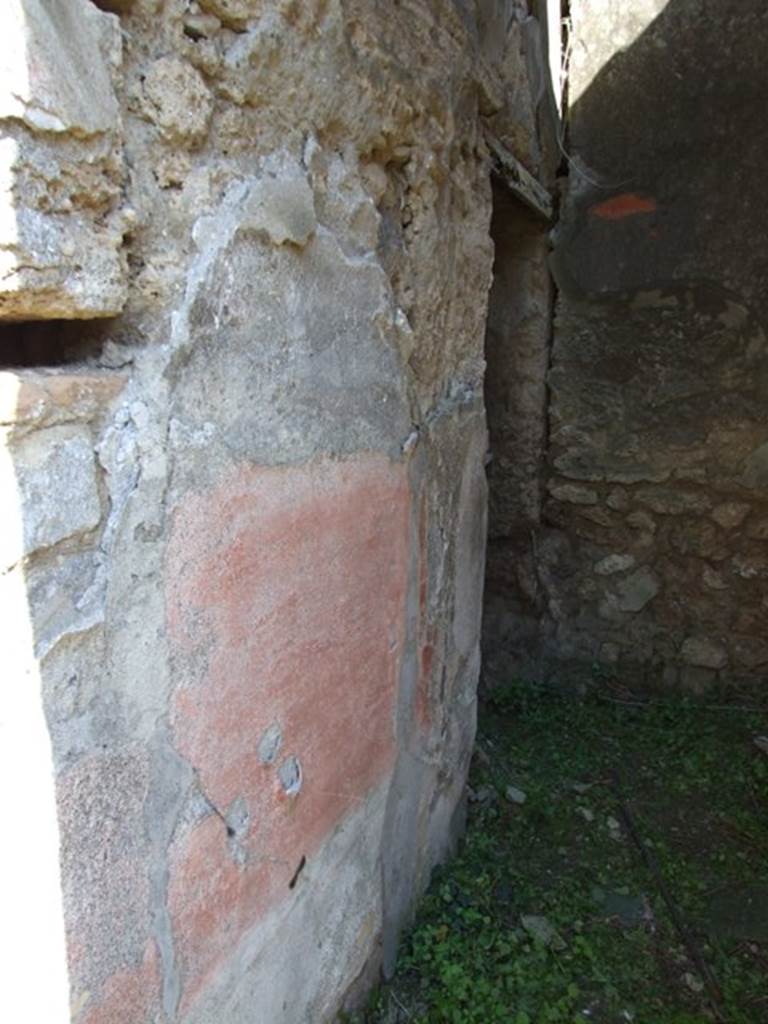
(517, 351)
(35, 344)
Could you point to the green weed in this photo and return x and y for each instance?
(695, 787)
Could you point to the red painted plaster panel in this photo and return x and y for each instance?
(286, 604)
(628, 204)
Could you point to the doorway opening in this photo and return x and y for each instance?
(517, 351)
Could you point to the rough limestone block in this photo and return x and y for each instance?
(61, 168)
(636, 591)
(34, 399)
(614, 563)
(47, 463)
(704, 653)
(177, 101)
(283, 208)
(57, 486)
(574, 494)
(233, 13)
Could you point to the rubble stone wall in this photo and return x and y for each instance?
(652, 548)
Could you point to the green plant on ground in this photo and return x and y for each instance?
(630, 885)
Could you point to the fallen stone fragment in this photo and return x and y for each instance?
(541, 930)
(486, 793)
(630, 911)
(614, 828)
(694, 983)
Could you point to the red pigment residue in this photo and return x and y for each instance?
(286, 599)
(128, 996)
(426, 650)
(628, 204)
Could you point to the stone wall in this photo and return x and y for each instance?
(246, 256)
(652, 554)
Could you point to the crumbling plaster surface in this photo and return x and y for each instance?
(250, 528)
(61, 162)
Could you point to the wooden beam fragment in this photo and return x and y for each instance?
(518, 180)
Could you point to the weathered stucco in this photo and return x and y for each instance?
(245, 549)
(61, 162)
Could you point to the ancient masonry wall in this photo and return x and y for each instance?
(646, 558)
(246, 255)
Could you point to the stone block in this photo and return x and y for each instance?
(177, 101)
(57, 487)
(704, 653)
(636, 591)
(730, 514)
(758, 529)
(751, 652)
(282, 207)
(672, 502)
(61, 168)
(232, 13)
(31, 399)
(756, 468)
(641, 521)
(614, 563)
(573, 494)
(617, 500)
(712, 579)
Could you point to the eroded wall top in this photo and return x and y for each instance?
(61, 162)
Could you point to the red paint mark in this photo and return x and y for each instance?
(423, 697)
(628, 204)
(426, 644)
(286, 605)
(423, 556)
